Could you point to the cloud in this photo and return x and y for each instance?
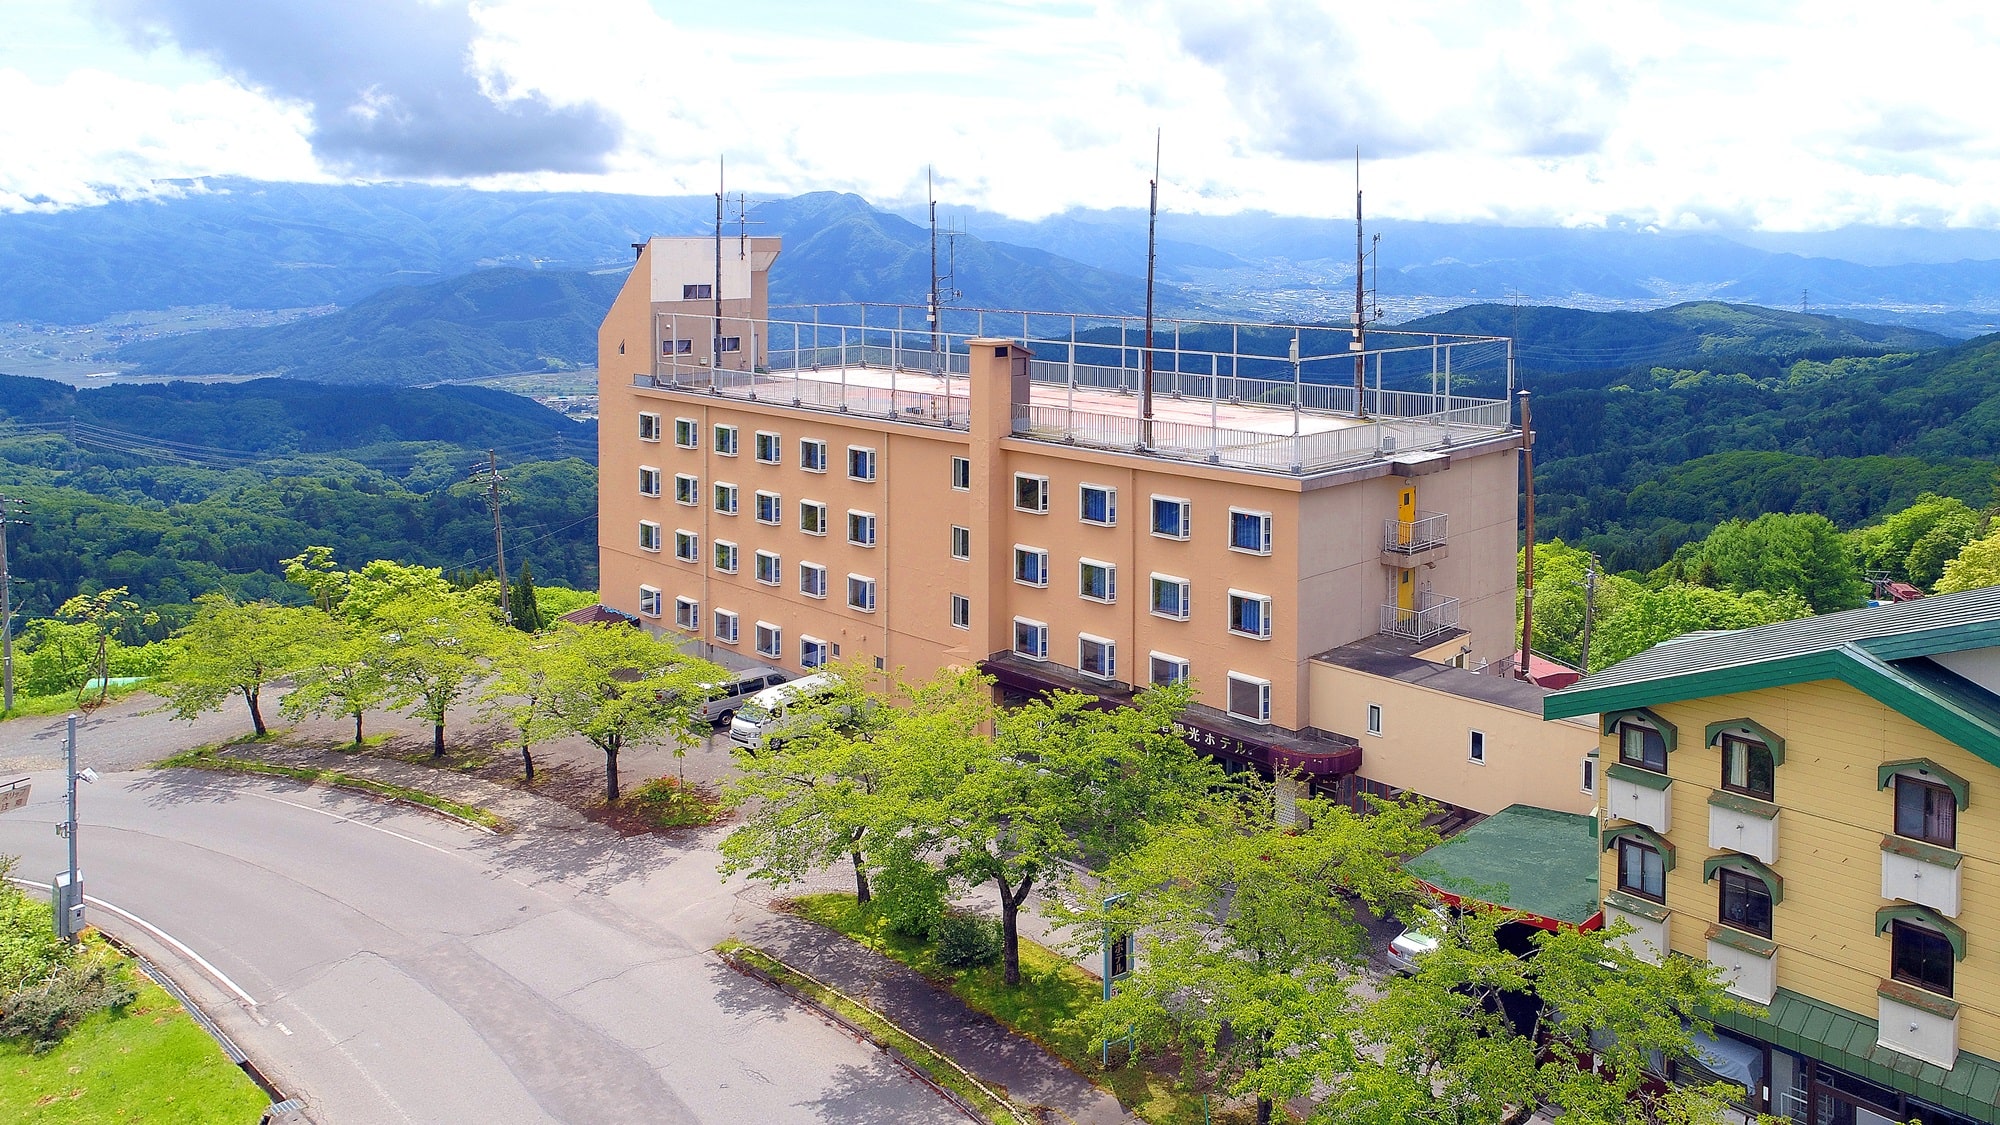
(390, 86)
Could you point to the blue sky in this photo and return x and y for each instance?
(1774, 116)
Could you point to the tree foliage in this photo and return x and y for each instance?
(1780, 554)
(234, 648)
(1651, 616)
(1977, 564)
(1561, 594)
(1915, 543)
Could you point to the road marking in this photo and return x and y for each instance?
(171, 941)
(342, 819)
(283, 1028)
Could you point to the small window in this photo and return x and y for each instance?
(1921, 956)
(1590, 775)
(649, 481)
(1747, 767)
(725, 556)
(672, 347)
(1250, 614)
(649, 601)
(687, 489)
(725, 626)
(812, 517)
(687, 613)
(687, 433)
(1746, 901)
(1098, 504)
(812, 652)
(1171, 517)
(961, 612)
(725, 441)
(1097, 581)
(861, 593)
(961, 473)
(649, 427)
(1374, 718)
(702, 292)
(687, 545)
(1031, 566)
(1171, 596)
(1249, 697)
(649, 535)
(1926, 811)
(1097, 656)
(861, 528)
(1476, 749)
(1250, 531)
(1642, 745)
(725, 498)
(770, 640)
(961, 542)
(1168, 669)
(812, 580)
(1031, 639)
(770, 508)
(1031, 493)
(770, 448)
(729, 343)
(812, 455)
(770, 570)
(860, 463)
(1642, 870)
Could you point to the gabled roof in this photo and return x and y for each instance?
(1880, 650)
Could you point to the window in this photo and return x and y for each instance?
(1374, 718)
(861, 593)
(1746, 901)
(649, 535)
(1747, 767)
(1170, 597)
(860, 463)
(770, 508)
(1170, 517)
(687, 433)
(1168, 669)
(1250, 614)
(729, 343)
(1031, 493)
(812, 517)
(1250, 531)
(1031, 566)
(770, 640)
(812, 652)
(1642, 870)
(687, 545)
(725, 626)
(687, 489)
(861, 528)
(812, 455)
(687, 613)
(1921, 956)
(961, 612)
(961, 473)
(1590, 775)
(1476, 751)
(649, 481)
(812, 580)
(1031, 638)
(725, 498)
(1249, 697)
(670, 347)
(1097, 656)
(1097, 581)
(1098, 504)
(1642, 745)
(725, 556)
(702, 292)
(769, 569)
(649, 601)
(649, 427)
(1926, 811)
(770, 449)
(961, 542)
(725, 441)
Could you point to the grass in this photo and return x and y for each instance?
(667, 803)
(204, 759)
(148, 1062)
(63, 702)
(1055, 1004)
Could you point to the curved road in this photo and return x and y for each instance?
(388, 966)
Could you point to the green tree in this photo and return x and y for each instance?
(102, 616)
(1560, 597)
(617, 687)
(1977, 565)
(522, 603)
(234, 648)
(1782, 554)
(344, 675)
(1648, 617)
(518, 692)
(434, 646)
(1914, 544)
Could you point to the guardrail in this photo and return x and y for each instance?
(1407, 537)
(1420, 624)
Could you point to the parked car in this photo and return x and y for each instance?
(1405, 948)
(722, 700)
(765, 718)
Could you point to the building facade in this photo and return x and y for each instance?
(1811, 806)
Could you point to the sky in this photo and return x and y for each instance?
(1700, 114)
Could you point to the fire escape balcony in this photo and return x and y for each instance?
(1407, 544)
(1436, 616)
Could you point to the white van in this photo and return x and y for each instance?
(722, 700)
(764, 717)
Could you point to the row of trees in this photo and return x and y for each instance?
(1253, 958)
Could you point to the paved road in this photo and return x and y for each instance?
(399, 968)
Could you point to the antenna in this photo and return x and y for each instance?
(715, 337)
(1146, 360)
(931, 313)
(743, 224)
(1360, 298)
(942, 291)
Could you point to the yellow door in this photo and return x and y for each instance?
(1406, 514)
(1406, 591)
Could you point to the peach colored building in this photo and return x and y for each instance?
(856, 481)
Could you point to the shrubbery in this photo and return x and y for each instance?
(966, 941)
(911, 895)
(47, 987)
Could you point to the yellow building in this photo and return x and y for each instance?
(855, 481)
(1814, 807)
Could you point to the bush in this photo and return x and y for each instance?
(911, 896)
(46, 987)
(967, 941)
(668, 804)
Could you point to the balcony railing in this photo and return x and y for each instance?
(1420, 624)
(1407, 537)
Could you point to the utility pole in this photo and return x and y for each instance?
(1589, 607)
(9, 509)
(1146, 360)
(490, 476)
(68, 886)
(1360, 302)
(1528, 558)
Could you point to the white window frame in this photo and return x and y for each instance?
(1041, 484)
(649, 536)
(648, 475)
(726, 626)
(1264, 697)
(1180, 662)
(687, 490)
(1589, 776)
(1155, 581)
(1264, 614)
(961, 612)
(735, 556)
(649, 426)
(860, 528)
(732, 494)
(687, 545)
(1264, 519)
(1375, 719)
(807, 461)
(861, 584)
(1110, 504)
(687, 614)
(1187, 517)
(1475, 746)
(961, 470)
(725, 440)
(813, 651)
(772, 564)
(776, 636)
(770, 508)
(776, 447)
(816, 588)
(687, 433)
(1109, 650)
(649, 601)
(867, 453)
(1110, 595)
(961, 542)
(1042, 632)
(1042, 565)
(816, 507)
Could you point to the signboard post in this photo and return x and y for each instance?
(14, 795)
(1120, 950)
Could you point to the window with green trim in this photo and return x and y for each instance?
(1921, 956)
(1748, 767)
(1642, 745)
(1745, 901)
(1642, 870)
(1926, 811)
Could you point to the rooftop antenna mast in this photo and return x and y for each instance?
(942, 291)
(1146, 360)
(715, 336)
(1360, 297)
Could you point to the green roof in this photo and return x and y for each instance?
(1537, 861)
(1841, 1038)
(1881, 651)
